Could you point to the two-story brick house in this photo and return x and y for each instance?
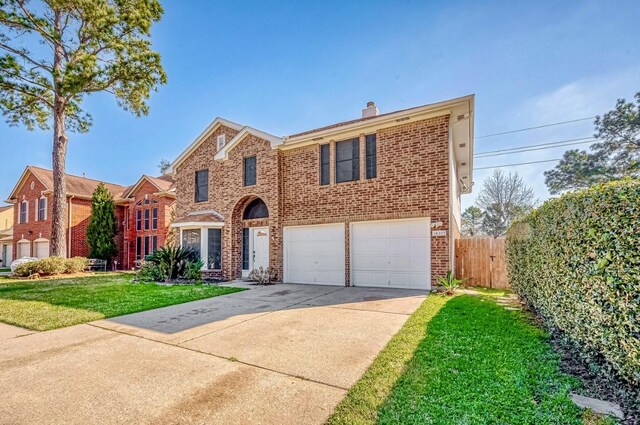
(33, 194)
(368, 202)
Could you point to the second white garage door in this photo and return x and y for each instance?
(314, 254)
(391, 254)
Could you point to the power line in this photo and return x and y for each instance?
(514, 165)
(541, 146)
(534, 128)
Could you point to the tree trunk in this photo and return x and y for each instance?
(58, 243)
(58, 246)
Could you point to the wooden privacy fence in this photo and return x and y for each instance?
(482, 261)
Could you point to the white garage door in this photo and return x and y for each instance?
(392, 254)
(24, 249)
(314, 254)
(42, 249)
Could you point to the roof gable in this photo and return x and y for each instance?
(223, 154)
(163, 184)
(201, 138)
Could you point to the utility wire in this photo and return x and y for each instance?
(538, 147)
(534, 128)
(514, 165)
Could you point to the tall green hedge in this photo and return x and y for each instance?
(576, 261)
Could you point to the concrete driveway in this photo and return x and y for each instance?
(269, 355)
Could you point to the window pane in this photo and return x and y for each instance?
(154, 243)
(245, 249)
(138, 220)
(138, 247)
(324, 164)
(347, 160)
(146, 219)
(154, 223)
(202, 185)
(215, 249)
(250, 171)
(372, 166)
(191, 240)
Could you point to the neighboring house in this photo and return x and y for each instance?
(373, 201)
(33, 194)
(6, 235)
(148, 206)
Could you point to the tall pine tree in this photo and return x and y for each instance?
(101, 232)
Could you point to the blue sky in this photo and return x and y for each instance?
(285, 67)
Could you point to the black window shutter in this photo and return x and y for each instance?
(324, 164)
(372, 166)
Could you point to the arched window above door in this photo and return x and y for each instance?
(256, 209)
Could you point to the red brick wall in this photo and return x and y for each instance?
(33, 229)
(229, 196)
(412, 181)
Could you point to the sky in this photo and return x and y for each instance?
(286, 67)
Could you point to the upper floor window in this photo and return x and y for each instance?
(250, 171)
(139, 220)
(146, 219)
(42, 209)
(221, 141)
(154, 218)
(24, 208)
(348, 160)
(202, 186)
(371, 163)
(324, 164)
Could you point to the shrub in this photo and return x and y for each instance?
(170, 263)
(261, 276)
(20, 261)
(576, 262)
(449, 282)
(75, 265)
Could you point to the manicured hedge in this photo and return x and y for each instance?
(576, 261)
(51, 266)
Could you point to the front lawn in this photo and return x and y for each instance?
(475, 363)
(49, 304)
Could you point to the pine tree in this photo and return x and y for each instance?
(101, 231)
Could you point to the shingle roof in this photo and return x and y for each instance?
(201, 217)
(76, 185)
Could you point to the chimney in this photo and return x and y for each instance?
(370, 111)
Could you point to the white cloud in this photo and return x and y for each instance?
(579, 99)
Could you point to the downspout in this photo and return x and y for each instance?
(69, 226)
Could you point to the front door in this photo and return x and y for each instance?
(260, 239)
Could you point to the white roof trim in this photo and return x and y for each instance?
(199, 224)
(18, 185)
(144, 177)
(201, 138)
(223, 154)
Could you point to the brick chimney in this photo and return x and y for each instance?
(371, 110)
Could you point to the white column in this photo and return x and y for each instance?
(204, 247)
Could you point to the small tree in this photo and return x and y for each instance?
(472, 221)
(164, 166)
(504, 197)
(101, 231)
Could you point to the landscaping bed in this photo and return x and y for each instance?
(464, 360)
(55, 303)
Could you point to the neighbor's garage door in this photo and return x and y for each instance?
(314, 254)
(42, 249)
(392, 254)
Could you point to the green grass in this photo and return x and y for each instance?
(491, 292)
(369, 393)
(477, 364)
(50, 304)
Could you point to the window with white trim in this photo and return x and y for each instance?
(42, 209)
(221, 140)
(24, 211)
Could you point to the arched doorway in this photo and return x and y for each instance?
(251, 219)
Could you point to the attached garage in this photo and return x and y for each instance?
(315, 254)
(41, 248)
(391, 254)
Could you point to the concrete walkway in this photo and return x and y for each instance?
(269, 355)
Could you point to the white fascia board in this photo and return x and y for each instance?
(223, 154)
(201, 138)
(199, 224)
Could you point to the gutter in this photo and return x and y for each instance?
(69, 225)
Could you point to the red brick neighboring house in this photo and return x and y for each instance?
(33, 194)
(368, 202)
(148, 209)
